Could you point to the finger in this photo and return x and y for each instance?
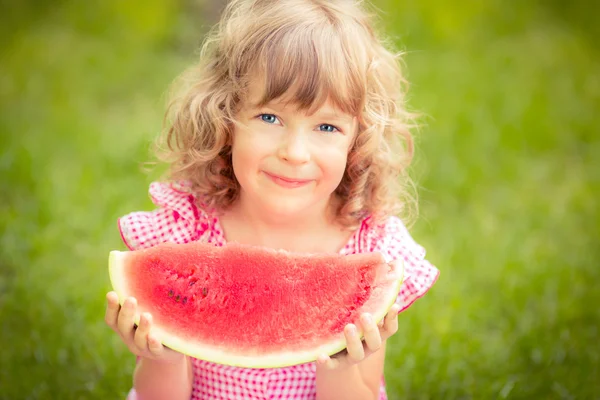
(356, 351)
(327, 362)
(125, 321)
(381, 323)
(141, 333)
(391, 322)
(112, 310)
(371, 332)
(155, 346)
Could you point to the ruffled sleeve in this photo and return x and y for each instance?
(392, 240)
(177, 219)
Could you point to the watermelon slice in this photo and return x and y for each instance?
(253, 307)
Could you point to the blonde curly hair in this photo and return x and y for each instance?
(320, 49)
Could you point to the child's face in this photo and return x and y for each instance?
(287, 162)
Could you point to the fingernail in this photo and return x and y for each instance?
(367, 319)
(353, 331)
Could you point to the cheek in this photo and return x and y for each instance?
(242, 161)
(334, 165)
(239, 155)
(247, 152)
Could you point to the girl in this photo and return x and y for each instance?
(291, 133)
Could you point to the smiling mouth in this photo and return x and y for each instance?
(287, 182)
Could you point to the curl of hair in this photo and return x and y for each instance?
(311, 50)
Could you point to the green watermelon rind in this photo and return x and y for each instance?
(277, 360)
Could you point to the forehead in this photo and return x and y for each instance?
(256, 96)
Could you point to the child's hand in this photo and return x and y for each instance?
(374, 336)
(139, 340)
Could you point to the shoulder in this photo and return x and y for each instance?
(391, 238)
(178, 218)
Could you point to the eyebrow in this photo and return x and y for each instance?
(326, 114)
(337, 118)
(329, 114)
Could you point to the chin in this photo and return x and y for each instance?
(286, 209)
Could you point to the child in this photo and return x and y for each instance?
(291, 133)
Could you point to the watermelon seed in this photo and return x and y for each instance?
(171, 293)
(193, 282)
(177, 298)
(184, 300)
(204, 291)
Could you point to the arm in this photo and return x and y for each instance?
(357, 373)
(157, 380)
(360, 381)
(161, 373)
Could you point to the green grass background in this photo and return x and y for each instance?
(508, 171)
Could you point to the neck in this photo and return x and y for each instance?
(304, 232)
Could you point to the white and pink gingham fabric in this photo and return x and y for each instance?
(178, 219)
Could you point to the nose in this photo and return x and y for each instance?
(295, 148)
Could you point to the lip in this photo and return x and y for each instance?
(287, 182)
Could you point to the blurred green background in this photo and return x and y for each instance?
(508, 171)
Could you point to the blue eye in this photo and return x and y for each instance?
(268, 118)
(327, 128)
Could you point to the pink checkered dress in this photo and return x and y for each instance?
(178, 219)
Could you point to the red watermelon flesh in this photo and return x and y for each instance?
(250, 306)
